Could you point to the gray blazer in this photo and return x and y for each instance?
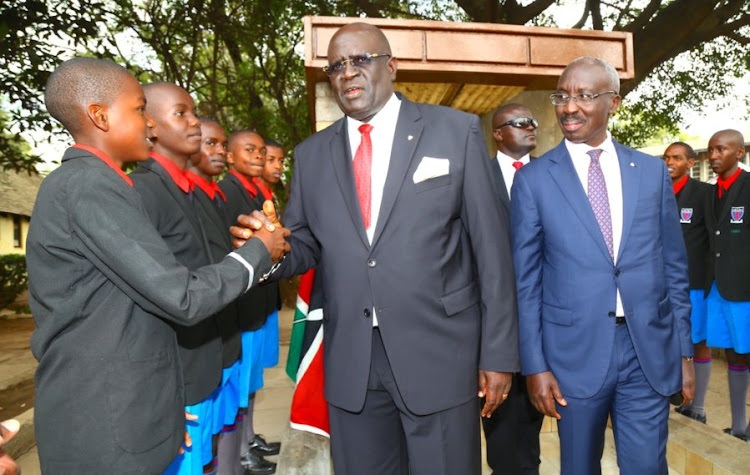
(103, 287)
(439, 272)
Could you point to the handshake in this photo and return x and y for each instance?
(266, 227)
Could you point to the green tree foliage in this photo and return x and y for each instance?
(33, 36)
(13, 278)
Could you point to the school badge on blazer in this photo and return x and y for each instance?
(686, 215)
(737, 213)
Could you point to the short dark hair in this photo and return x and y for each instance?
(239, 132)
(79, 82)
(273, 143)
(688, 149)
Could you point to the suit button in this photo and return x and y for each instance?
(372, 263)
(617, 272)
(718, 232)
(611, 314)
(367, 312)
(718, 254)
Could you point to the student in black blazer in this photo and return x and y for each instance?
(103, 287)
(729, 268)
(692, 197)
(512, 433)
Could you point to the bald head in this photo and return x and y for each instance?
(731, 136)
(78, 82)
(374, 37)
(159, 93)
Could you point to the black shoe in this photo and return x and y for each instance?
(259, 446)
(742, 437)
(686, 411)
(257, 465)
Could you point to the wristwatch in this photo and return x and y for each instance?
(688, 358)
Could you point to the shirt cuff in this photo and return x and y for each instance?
(247, 265)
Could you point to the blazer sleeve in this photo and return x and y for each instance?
(487, 223)
(118, 239)
(305, 251)
(675, 264)
(528, 252)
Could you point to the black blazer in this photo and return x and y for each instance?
(103, 286)
(252, 307)
(173, 214)
(691, 204)
(729, 235)
(502, 190)
(213, 218)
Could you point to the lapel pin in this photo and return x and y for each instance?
(409, 137)
(632, 164)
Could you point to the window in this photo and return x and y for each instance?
(17, 234)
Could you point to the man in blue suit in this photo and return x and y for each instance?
(601, 270)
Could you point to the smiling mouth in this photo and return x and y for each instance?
(352, 91)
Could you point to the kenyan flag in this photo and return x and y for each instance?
(305, 364)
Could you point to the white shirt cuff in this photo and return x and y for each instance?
(247, 265)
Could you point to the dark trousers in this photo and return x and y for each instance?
(386, 438)
(512, 433)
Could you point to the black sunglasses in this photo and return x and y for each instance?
(521, 123)
(359, 61)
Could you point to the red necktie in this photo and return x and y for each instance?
(362, 167)
(517, 164)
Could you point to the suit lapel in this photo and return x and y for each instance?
(408, 130)
(563, 173)
(341, 156)
(502, 190)
(630, 176)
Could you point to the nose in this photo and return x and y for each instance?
(349, 71)
(571, 106)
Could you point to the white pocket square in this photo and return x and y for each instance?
(431, 167)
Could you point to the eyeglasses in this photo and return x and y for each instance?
(562, 99)
(359, 61)
(521, 123)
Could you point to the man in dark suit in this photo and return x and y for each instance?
(729, 269)
(512, 433)
(396, 202)
(604, 312)
(692, 197)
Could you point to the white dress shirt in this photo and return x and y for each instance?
(383, 130)
(507, 168)
(611, 169)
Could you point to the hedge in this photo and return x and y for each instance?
(13, 278)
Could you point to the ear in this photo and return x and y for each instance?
(97, 114)
(230, 158)
(498, 134)
(392, 67)
(616, 100)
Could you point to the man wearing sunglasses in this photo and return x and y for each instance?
(512, 433)
(603, 294)
(394, 204)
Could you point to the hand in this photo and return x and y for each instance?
(270, 211)
(688, 381)
(188, 440)
(247, 224)
(494, 387)
(275, 242)
(8, 466)
(543, 392)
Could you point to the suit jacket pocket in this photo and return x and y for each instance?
(431, 183)
(460, 299)
(145, 407)
(557, 315)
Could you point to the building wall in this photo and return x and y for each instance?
(7, 241)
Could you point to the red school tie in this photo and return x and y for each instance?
(362, 168)
(517, 164)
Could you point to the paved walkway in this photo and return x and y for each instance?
(273, 402)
